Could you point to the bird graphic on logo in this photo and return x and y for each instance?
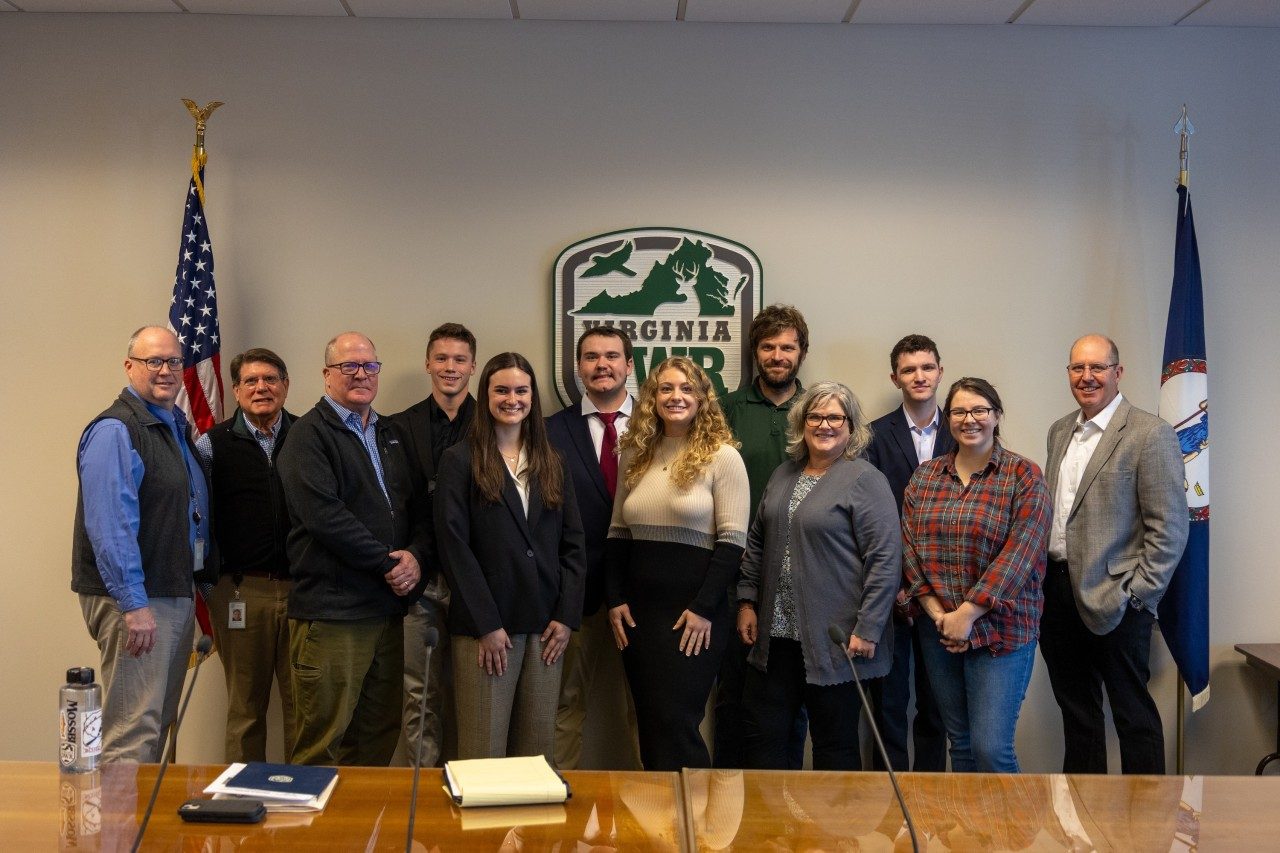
(613, 262)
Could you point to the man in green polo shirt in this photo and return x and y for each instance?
(757, 414)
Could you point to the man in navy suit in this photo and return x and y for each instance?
(586, 434)
(427, 429)
(913, 433)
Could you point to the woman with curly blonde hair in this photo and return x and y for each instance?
(679, 526)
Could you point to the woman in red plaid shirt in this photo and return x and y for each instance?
(975, 531)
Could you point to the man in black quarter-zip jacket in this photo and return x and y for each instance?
(356, 559)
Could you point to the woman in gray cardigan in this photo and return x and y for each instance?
(825, 549)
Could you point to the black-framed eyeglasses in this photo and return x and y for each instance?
(978, 413)
(351, 368)
(155, 363)
(814, 419)
(1094, 369)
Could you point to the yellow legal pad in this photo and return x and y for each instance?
(522, 780)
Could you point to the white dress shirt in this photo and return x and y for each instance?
(596, 426)
(1080, 447)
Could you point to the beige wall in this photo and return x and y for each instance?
(1002, 189)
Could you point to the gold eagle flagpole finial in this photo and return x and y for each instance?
(198, 157)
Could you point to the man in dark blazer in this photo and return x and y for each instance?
(911, 434)
(1120, 525)
(592, 667)
(427, 429)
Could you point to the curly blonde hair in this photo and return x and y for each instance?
(644, 432)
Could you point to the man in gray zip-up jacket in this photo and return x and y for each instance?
(355, 557)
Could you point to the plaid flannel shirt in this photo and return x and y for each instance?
(986, 543)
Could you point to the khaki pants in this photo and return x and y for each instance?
(593, 675)
(139, 694)
(251, 658)
(347, 690)
(509, 714)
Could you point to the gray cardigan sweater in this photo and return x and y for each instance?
(846, 564)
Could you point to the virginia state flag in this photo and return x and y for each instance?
(1184, 403)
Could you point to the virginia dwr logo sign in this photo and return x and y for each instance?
(672, 291)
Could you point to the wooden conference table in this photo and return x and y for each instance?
(41, 809)
(814, 811)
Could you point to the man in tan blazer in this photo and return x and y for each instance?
(1119, 527)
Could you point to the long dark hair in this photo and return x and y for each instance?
(488, 471)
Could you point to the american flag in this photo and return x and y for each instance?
(193, 316)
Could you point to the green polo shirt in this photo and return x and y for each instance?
(762, 428)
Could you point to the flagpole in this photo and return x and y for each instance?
(1184, 131)
(193, 317)
(1180, 760)
(1183, 128)
(198, 156)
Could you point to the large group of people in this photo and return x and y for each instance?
(770, 546)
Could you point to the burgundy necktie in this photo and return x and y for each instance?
(608, 456)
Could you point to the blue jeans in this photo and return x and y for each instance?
(980, 697)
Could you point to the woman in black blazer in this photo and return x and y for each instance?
(510, 543)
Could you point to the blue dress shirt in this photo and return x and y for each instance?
(111, 473)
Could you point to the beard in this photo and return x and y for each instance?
(779, 384)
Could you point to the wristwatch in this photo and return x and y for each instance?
(1136, 603)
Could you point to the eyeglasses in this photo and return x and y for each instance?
(814, 419)
(154, 364)
(351, 368)
(978, 413)
(255, 381)
(1080, 369)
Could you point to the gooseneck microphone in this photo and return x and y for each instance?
(203, 646)
(430, 638)
(841, 639)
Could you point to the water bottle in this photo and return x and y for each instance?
(80, 722)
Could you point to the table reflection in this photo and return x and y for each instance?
(815, 811)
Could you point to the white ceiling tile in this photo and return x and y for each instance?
(598, 10)
(302, 8)
(767, 11)
(935, 11)
(98, 6)
(431, 8)
(1235, 13)
(1106, 13)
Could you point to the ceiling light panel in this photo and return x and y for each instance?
(298, 8)
(488, 9)
(98, 6)
(599, 10)
(767, 11)
(1106, 13)
(1235, 13)
(935, 11)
